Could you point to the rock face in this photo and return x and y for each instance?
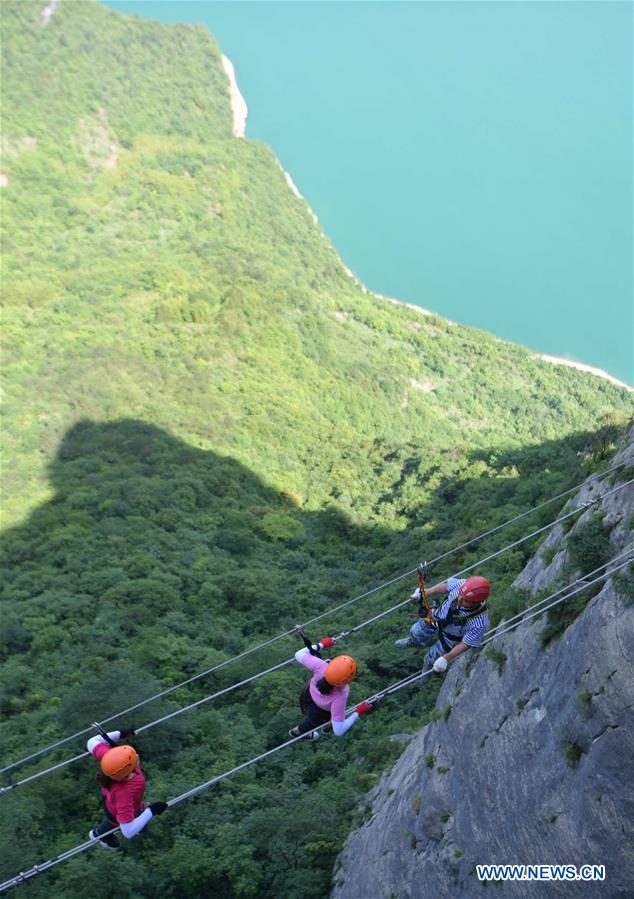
(534, 763)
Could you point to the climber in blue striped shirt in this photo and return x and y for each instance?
(457, 625)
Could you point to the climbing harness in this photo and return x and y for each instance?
(455, 619)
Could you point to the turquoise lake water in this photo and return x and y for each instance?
(474, 158)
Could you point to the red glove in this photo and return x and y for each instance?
(327, 642)
(364, 708)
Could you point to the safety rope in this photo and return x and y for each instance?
(405, 682)
(288, 633)
(343, 635)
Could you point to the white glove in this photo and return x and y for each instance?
(440, 665)
(416, 594)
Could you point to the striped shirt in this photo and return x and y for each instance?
(471, 631)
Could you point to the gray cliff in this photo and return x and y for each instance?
(534, 763)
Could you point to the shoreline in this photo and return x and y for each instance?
(240, 113)
(599, 372)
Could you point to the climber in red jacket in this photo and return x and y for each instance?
(122, 785)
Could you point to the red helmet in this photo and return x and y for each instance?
(475, 589)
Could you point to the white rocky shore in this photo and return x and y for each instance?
(558, 360)
(238, 103)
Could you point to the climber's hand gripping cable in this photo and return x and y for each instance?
(124, 733)
(314, 648)
(103, 733)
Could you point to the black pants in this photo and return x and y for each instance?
(107, 824)
(313, 715)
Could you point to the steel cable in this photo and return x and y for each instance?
(393, 688)
(310, 621)
(380, 615)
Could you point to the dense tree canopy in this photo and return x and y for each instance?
(212, 433)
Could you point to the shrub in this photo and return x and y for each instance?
(496, 656)
(589, 544)
(437, 715)
(573, 753)
(624, 584)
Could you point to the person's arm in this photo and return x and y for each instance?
(440, 665)
(472, 639)
(476, 629)
(98, 745)
(341, 727)
(341, 724)
(438, 589)
(134, 826)
(313, 663)
(130, 829)
(458, 650)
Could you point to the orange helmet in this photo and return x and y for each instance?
(340, 671)
(119, 762)
(475, 589)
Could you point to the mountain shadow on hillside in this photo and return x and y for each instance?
(155, 560)
(148, 536)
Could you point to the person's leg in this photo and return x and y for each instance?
(304, 698)
(112, 842)
(420, 633)
(313, 717)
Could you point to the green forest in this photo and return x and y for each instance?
(210, 433)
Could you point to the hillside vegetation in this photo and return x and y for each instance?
(212, 432)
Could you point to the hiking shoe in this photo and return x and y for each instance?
(109, 842)
(404, 643)
(309, 736)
